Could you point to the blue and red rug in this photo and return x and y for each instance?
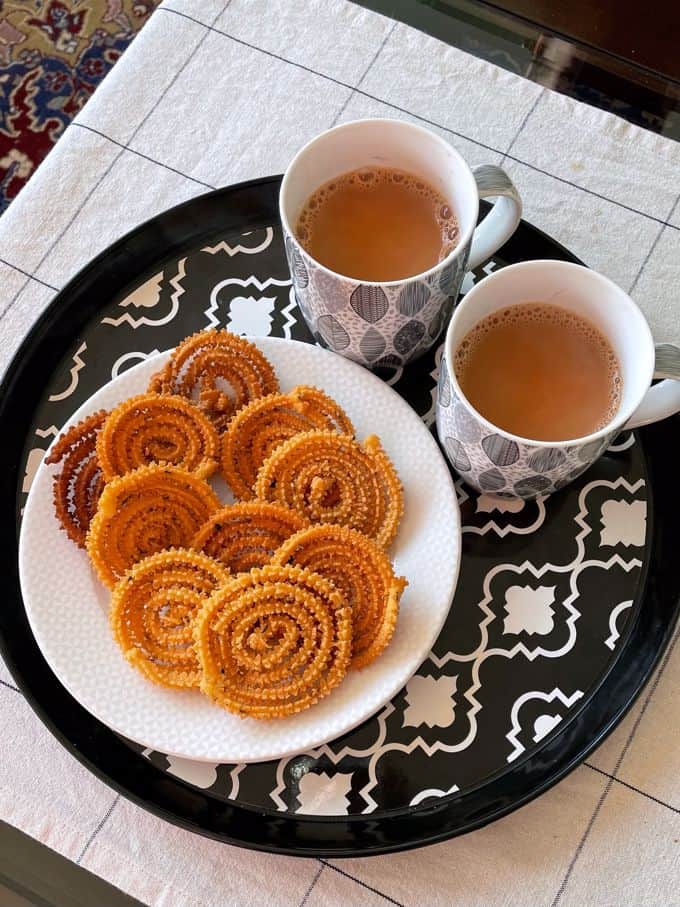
(53, 54)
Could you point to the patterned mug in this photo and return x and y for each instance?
(499, 463)
(389, 323)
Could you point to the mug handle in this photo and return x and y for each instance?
(503, 219)
(663, 399)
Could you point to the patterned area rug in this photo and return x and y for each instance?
(53, 54)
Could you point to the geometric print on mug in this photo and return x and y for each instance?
(386, 324)
(379, 326)
(497, 462)
(499, 465)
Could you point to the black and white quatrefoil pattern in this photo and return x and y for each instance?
(497, 465)
(376, 326)
(547, 587)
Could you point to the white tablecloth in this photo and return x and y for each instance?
(212, 92)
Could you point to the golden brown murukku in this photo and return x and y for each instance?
(246, 535)
(145, 511)
(221, 370)
(359, 569)
(259, 428)
(274, 641)
(332, 478)
(153, 609)
(156, 382)
(79, 484)
(156, 428)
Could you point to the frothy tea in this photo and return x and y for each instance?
(541, 372)
(377, 223)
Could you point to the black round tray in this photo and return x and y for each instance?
(416, 773)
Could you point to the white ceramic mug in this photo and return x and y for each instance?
(390, 323)
(497, 462)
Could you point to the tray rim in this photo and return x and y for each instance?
(365, 837)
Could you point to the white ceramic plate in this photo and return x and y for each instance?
(68, 607)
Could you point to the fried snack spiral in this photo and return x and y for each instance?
(274, 641)
(246, 535)
(156, 382)
(206, 362)
(257, 429)
(153, 609)
(79, 484)
(145, 511)
(361, 571)
(155, 428)
(332, 478)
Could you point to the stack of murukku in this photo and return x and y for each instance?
(263, 604)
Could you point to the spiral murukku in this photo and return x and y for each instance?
(273, 642)
(246, 535)
(156, 382)
(145, 511)
(222, 371)
(155, 428)
(79, 484)
(361, 571)
(332, 478)
(153, 609)
(257, 429)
